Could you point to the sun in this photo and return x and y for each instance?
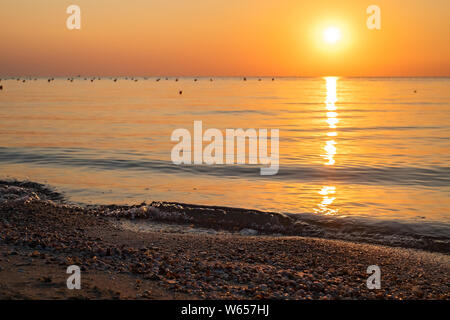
(332, 35)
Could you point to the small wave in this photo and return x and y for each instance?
(227, 112)
(434, 237)
(246, 222)
(433, 176)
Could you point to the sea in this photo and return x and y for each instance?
(370, 151)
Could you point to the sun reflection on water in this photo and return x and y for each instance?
(331, 119)
(327, 193)
(330, 146)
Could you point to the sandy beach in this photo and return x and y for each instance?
(41, 234)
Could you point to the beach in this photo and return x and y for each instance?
(41, 234)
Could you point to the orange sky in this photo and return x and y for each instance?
(224, 37)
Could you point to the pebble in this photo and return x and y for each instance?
(417, 291)
(248, 232)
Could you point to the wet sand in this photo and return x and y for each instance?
(41, 234)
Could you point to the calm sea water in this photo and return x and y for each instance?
(370, 148)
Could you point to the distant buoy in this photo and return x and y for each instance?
(176, 79)
(245, 79)
(1, 87)
(180, 92)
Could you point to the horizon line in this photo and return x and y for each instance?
(5, 77)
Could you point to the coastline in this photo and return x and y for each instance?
(41, 234)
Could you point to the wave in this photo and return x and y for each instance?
(432, 176)
(428, 236)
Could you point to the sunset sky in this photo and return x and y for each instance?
(224, 38)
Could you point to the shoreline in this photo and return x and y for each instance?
(392, 233)
(41, 234)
